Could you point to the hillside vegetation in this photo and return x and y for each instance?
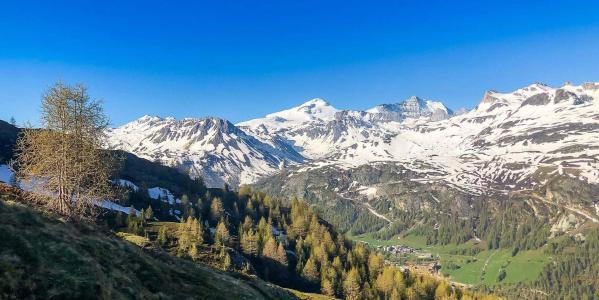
(43, 257)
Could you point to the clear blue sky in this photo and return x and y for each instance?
(239, 60)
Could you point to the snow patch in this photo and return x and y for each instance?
(163, 194)
(116, 207)
(127, 184)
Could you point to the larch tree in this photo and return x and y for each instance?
(222, 235)
(386, 281)
(310, 271)
(351, 285)
(216, 210)
(282, 255)
(162, 236)
(270, 249)
(249, 243)
(63, 162)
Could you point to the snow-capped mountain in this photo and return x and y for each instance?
(412, 108)
(211, 148)
(510, 140)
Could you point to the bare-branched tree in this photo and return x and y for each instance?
(63, 162)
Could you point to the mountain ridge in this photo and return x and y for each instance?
(413, 132)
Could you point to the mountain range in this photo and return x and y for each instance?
(505, 142)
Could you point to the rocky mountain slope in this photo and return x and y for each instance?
(515, 142)
(509, 141)
(506, 142)
(211, 148)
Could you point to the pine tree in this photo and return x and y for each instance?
(300, 254)
(400, 284)
(162, 237)
(386, 281)
(376, 263)
(149, 213)
(142, 215)
(351, 285)
(443, 290)
(250, 243)
(222, 236)
(270, 249)
(310, 271)
(216, 210)
(326, 287)
(184, 237)
(281, 256)
(199, 232)
(227, 263)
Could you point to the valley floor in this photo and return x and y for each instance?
(477, 269)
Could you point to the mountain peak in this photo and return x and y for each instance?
(414, 98)
(536, 86)
(313, 109)
(316, 102)
(412, 108)
(489, 97)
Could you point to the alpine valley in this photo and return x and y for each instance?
(486, 192)
(502, 199)
(416, 154)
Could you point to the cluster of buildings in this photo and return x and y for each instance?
(397, 250)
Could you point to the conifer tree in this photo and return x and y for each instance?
(310, 271)
(351, 285)
(386, 281)
(281, 255)
(270, 249)
(227, 263)
(67, 153)
(149, 213)
(326, 287)
(249, 243)
(443, 290)
(222, 236)
(216, 210)
(162, 237)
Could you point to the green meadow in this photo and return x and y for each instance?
(482, 267)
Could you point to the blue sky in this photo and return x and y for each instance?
(242, 59)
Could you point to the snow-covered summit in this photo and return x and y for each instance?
(411, 108)
(314, 110)
(209, 147)
(504, 140)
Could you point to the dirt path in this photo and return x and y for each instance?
(374, 212)
(484, 268)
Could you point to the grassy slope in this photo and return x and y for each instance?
(43, 257)
(525, 266)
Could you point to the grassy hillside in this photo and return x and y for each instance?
(41, 256)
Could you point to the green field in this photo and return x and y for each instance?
(482, 268)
